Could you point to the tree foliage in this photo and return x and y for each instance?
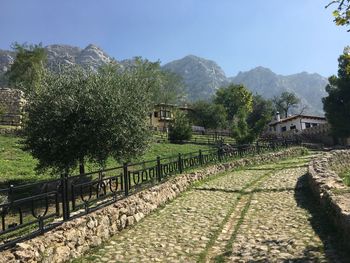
(27, 70)
(260, 116)
(285, 101)
(80, 115)
(234, 98)
(341, 13)
(171, 89)
(337, 104)
(180, 128)
(209, 115)
(240, 129)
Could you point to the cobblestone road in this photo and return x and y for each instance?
(260, 214)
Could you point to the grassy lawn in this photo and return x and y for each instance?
(17, 166)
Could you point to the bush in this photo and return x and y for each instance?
(180, 129)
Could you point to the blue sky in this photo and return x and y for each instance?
(288, 36)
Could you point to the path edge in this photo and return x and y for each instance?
(71, 239)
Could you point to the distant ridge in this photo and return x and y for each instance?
(202, 77)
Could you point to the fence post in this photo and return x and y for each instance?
(64, 193)
(200, 158)
(180, 163)
(219, 154)
(126, 181)
(159, 170)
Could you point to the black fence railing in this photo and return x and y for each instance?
(31, 209)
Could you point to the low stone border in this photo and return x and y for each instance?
(73, 238)
(329, 189)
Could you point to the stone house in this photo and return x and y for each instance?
(294, 124)
(163, 115)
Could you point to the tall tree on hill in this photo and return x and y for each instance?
(285, 102)
(342, 12)
(27, 70)
(337, 103)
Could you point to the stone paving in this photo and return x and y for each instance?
(260, 214)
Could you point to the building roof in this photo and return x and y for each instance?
(296, 117)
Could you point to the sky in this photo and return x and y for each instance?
(287, 36)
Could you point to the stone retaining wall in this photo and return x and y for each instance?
(73, 238)
(12, 103)
(329, 189)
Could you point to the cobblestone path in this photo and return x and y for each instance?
(260, 214)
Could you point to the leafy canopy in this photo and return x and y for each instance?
(81, 115)
(337, 104)
(209, 115)
(285, 101)
(234, 98)
(27, 70)
(180, 128)
(341, 13)
(260, 116)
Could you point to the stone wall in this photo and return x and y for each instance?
(329, 189)
(11, 102)
(73, 238)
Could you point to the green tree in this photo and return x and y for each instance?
(341, 13)
(27, 70)
(240, 129)
(84, 116)
(180, 128)
(285, 102)
(234, 98)
(337, 104)
(171, 89)
(209, 115)
(260, 116)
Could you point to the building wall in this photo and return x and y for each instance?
(12, 102)
(298, 123)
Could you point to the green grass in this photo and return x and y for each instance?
(17, 166)
(346, 177)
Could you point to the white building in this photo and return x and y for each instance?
(294, 123)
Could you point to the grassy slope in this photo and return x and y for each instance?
(18, 166)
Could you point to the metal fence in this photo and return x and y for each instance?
(31, 209)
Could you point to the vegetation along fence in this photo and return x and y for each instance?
(31, 209)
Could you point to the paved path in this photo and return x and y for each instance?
(260, 214)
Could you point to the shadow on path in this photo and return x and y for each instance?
(332, 248)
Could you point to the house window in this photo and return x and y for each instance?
(165, 114)
(313, 124)
(283, 129)
(307, 125)
(293, 127)
(156, 114)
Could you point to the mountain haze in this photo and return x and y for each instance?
(202, 77)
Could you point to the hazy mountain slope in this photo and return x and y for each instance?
(310, 88)
(201, 76)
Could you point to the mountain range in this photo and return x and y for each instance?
(201, 77)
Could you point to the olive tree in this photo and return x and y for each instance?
(81, 116)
